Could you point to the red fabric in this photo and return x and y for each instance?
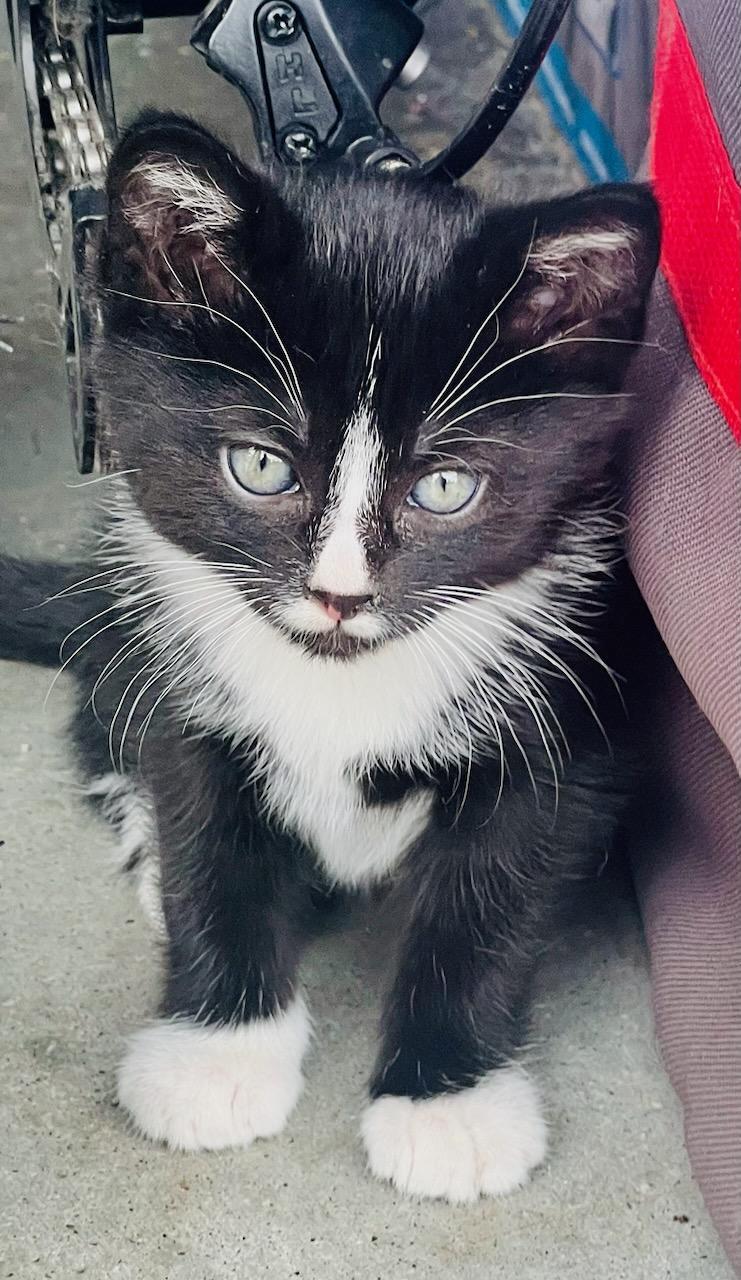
(700, 204)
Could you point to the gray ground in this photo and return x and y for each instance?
(79, 1194)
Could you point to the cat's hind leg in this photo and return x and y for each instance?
(127, 804)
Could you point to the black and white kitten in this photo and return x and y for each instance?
(353, 620)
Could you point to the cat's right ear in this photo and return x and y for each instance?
(185, 217)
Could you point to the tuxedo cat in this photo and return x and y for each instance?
(357, 615)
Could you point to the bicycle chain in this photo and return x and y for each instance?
(75, 147)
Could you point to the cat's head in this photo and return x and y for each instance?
(362, 392)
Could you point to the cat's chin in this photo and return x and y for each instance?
(335, 644)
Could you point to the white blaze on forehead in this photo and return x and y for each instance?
(341, 566)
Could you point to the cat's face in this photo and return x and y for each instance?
(367, 395)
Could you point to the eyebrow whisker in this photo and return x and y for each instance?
(441, 399)
(251, 293)
(219, 364)
(544, 395)
(532, 351)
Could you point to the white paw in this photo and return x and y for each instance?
(201, 1088)
(458, 1146)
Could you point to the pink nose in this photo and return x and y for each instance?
(340, 608)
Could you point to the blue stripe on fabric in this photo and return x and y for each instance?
(571, 111)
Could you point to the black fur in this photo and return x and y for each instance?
(39, 608)
(425, 265)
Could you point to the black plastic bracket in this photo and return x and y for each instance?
(313, 73)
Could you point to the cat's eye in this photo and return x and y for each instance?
(443, 492)
(261, 472)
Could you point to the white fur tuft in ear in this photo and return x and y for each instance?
(560, 254)
(163, 185)
(588, 270)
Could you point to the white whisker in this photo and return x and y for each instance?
(110, 475)
(242, 631)
(148, 600)
(144, 569)
(263, 309)
(514, 678)
(424, 636)
(247, 555)
(225, 408)
(488, 695)
(115, 623)
(533, 351)
(217, 619)
(140, 595)
(221, 315)
(545, 395)
(433, 411)
(219, 364)
(545, 624)
(167, 658)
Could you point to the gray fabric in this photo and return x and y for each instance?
(714, 30)
(686, 520)
(609, 45)
(688, 876)
(685, 548)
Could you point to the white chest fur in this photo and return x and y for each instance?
(320, 724)
(357, 843)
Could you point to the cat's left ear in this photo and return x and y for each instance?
(586, 265)
(184, 215)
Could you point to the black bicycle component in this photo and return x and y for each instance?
(525, 57)
(71, 119)
(82, 321)
(313, 73)
(126, 17)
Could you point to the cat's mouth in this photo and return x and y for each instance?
(304, 624)
(335, 644)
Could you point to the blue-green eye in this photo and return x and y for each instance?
(261, 472)
(443, 492)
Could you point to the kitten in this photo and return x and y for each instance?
(358, 609)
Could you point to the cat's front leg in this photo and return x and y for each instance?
(222, 1066)
(454, 1114)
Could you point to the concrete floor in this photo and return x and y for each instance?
(79, 1194)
